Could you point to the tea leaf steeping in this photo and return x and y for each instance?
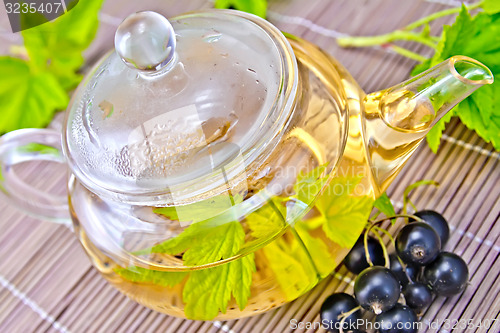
(139, 274)
(309, 184)
(266, 221)
(345, 214)
(201, 210)
(306, 248)
(202, 245)
(207, 291)
(285, 256)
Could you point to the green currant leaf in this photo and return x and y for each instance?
(477, 37)
(346, 219)
(31, 91)
(419, 68)
(454, 37)
(288, 256)
(384, 204)
(304, 251)
(139, 274)
(309, 184)
(28, 98)
(345, 214)
(481, 113)
(208, 291)
(266, 222)
(201, 238)
(221, 242)
(256, 7)
(201, 210)
(433, 137)
(57, 46)
(320, 253)
(491, 6)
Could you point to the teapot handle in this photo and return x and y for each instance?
(32, 145)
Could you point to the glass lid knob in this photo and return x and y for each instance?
(145, 41)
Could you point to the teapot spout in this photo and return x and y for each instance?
(417, 104)
(397, 119)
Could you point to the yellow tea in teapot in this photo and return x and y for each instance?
(263, 251)
(222, 170)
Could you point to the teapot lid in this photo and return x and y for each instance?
(180, 108)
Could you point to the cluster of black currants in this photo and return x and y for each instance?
(417, 271)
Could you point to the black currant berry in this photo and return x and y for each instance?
(356, 262)
(447, 275)
(335, 305)
(418, 296)
(418, 243)
(436, 221)
(400, 319)
(376, 289)
(399, 272)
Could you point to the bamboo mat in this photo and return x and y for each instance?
(48, 285)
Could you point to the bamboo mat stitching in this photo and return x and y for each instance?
(223, 327)
(310, 25)
(326, 32)
(469, 146)
(32, 304)
(470, 235)
(453, 3)
(61, 328)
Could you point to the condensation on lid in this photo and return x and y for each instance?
(190, 124)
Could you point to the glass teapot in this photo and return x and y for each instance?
(219, 168)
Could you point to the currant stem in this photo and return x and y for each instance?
(439, 14)
(365, 244)
(387, 233)
(374, 229)
(405, 52)
(416, 218)
(394, 244)
(385, 39)
(406, 193)
(345, 315)
(412, 205)
(404, 269)
(377, 309)
(405, 33)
